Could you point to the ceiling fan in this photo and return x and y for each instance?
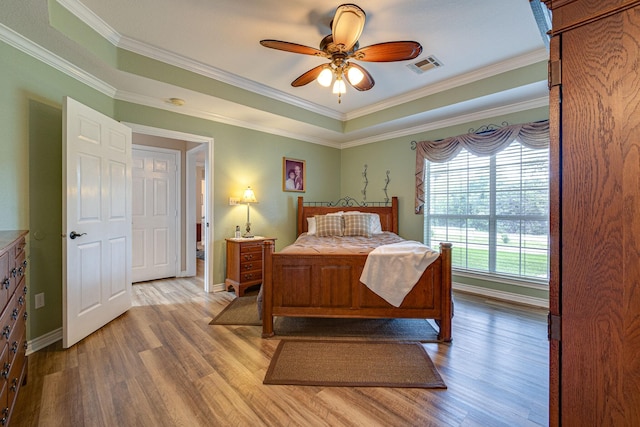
(340, 47)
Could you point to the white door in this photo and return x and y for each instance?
(155, 216)
(96, 220)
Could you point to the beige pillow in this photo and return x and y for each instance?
(357, 225)
(329, 225)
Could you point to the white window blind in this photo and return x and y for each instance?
(495, 211)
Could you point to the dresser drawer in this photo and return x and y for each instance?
(247, 247)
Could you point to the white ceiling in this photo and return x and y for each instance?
(473, 39)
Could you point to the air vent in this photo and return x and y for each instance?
(429, 63)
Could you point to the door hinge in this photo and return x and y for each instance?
(554, 70)
(554, 327)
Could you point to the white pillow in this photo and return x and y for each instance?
(376, 227)
(311, 225)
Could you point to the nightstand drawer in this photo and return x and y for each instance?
(253, 265)
(251, 247)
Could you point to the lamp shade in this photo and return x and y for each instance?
(249, 196)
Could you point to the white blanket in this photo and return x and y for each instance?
(391, 271)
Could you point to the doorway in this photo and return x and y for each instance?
(197, 149)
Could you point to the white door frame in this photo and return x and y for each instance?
(190, 214)
(191, 197)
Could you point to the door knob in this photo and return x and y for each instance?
(73, 235)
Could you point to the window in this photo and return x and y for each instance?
(494, 209)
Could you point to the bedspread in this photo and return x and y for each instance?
(393, 264)
(313, 245)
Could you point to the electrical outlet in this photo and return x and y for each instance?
(233, 201)
(40, 300)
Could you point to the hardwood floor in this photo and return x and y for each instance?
(162, 364)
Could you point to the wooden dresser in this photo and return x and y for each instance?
(13, 320)
(244, 263)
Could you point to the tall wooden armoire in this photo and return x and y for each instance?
(594, 78)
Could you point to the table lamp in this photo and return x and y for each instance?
(248, 197)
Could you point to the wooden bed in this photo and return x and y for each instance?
(297, 285)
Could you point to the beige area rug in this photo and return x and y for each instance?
(353, 364)
(240, 311)
(243, 311)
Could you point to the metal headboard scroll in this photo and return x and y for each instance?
(347, 202)
(386, 184)
(366, 182)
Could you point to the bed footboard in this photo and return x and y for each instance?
(329, 286)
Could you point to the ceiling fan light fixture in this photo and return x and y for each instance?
(325, 77)
(347, 25)
(339, 87)
(354, 75)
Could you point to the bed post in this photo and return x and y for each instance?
(300, 216)
(447, 300)
(267, 288)
(394, 214)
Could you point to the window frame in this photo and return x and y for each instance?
(493, 220)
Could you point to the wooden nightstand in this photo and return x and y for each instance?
(244, 263)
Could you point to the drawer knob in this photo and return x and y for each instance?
(6, 332)
(5, 371)
(7, 283)
(21, 300)
(24, 263)
(14, 314)
(14, 347)
(25, 315)
(14, 385)
(248, 266)
(14, 272)
(248, 257)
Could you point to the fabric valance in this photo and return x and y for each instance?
(532, 135)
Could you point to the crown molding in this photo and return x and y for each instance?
(482, 73)
(192, 112)
(87, 16)
(36, 51)
(101, 27)
(452, 121)
(225, 77)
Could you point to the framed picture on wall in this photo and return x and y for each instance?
(294, 175)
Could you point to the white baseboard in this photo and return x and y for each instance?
(43, 341)
(218, 287)
(501, 295)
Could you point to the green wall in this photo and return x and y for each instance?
(396, 156)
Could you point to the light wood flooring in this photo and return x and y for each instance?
(162, 364)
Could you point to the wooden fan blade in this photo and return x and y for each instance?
(388, 52)
(347, 25)
(367, 81)
(292, 47)
(309, 76)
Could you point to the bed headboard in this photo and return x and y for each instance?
(388, 214)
